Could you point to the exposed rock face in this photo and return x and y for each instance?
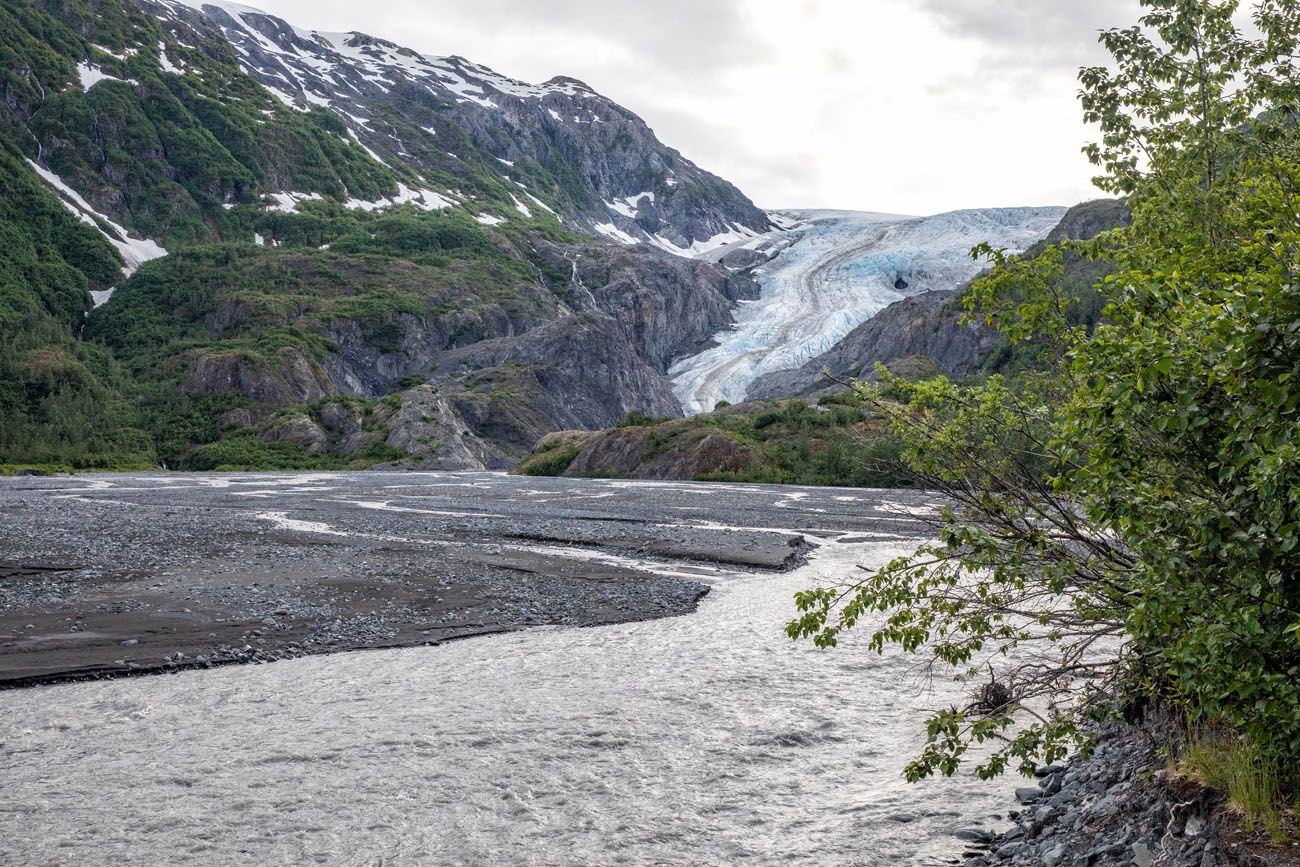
(500, 375)
(1090, 219)
(293, 378)
(636, 312)
(298, 429)
(669, 305)
(582, 371)
(356, 366)
(924, 325)
(558, 146)
(430, 428)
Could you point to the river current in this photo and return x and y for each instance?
(703, 739)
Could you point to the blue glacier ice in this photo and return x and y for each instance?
(832, 271)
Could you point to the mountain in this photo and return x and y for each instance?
(232, 242)
(307, 249)
(558, 146)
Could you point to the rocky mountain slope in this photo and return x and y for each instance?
(309, 249)
(558, 146)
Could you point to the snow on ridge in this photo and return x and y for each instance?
(834, 271)
(377, 59)
(134, 251)
(490, 219)
(234, 10)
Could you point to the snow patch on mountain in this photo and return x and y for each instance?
(91, 75)
(834, 270)
(520, 206)
(287, 203)
(630, 206)
(700, 248)
(425, 200)
(134, 251)
(609, 230)
(165, 61)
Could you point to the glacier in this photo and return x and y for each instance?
(830, 271)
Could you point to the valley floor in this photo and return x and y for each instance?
(709, 739)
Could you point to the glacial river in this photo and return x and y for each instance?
(702, 739)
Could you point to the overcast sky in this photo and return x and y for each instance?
(904, 106)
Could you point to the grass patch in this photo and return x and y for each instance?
(1223, 761)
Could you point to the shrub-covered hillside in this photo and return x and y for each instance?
(256, 256)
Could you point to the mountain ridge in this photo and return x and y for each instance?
(402, 105)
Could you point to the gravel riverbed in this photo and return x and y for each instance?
(106, 575)
(639, 739)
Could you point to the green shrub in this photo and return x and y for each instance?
(552, 463)
(637, 418)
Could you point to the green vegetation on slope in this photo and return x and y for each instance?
(837, 440)
(61, 399)
(214, 329)
(186, 159)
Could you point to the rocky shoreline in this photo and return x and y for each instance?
(1119, 806)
